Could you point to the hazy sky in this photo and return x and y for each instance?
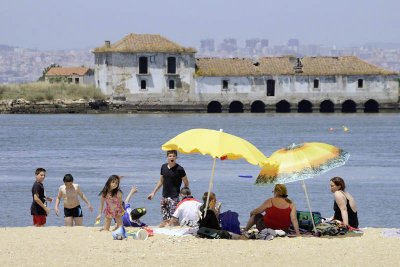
(53, 24)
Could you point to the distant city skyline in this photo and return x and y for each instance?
(52, 25)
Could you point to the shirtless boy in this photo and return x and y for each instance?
(72, 208)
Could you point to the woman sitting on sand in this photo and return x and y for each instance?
(344, 206)
(279, 212)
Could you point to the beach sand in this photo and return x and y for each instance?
(59, 246)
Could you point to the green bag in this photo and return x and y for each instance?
(305, 221)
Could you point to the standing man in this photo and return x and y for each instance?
(172, 175)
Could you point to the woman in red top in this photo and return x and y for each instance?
(279, 212)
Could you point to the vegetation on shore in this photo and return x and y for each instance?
(39, 91)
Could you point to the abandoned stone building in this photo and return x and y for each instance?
(71, 75)
(151, 72)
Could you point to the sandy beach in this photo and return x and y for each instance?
(62, 246)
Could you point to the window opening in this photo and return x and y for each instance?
(316, 83)
(171, 84)
(270, 87)
(143, 84)
(225, 84)
(360, 83)
(143, 65)
(171, 65)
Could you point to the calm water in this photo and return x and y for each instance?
(92, 147)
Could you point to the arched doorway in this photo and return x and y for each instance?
(214, 107)
(258, 107)
(326, 106)
(283, 106)
(236, 107)
(371, 106)
(349, 106)
(304, 106)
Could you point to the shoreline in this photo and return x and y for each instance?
(62, 245)
(21, 106)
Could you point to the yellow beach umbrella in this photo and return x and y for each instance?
(217, 144)
(299, 162)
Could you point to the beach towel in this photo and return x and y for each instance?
(230, 221)
(391, 233)
(172, 232)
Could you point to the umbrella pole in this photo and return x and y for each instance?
(209, 188)
(309, 207)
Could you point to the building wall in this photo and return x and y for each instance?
(118, 74)
(383, 89)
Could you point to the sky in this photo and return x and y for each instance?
(86, 24)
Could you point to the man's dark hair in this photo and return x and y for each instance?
(39, 170)
(68, 178)
(186, 191)
(172, 152)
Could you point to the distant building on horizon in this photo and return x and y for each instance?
(154, 73)
(207, 45)
(293, 42)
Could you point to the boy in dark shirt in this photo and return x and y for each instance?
(172, 175)
(39, 210)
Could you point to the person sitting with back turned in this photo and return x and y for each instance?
(344, 205)
(210, 220)
(279, 212)
(187, 209)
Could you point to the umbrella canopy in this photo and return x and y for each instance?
(301, 161)
(217, 144)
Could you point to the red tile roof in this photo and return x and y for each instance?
(312, 66)
(136, 43)
(60, 71)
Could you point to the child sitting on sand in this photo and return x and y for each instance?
(188, 209)
(112, 195)
(72, 208)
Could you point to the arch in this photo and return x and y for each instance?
(258, 107)
(214, 107)
(371, 106)
(326, 106)
(236, 107)
(304, 106)
(283, 106)
(349, 106)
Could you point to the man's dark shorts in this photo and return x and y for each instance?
(168, 206)
(74, 212)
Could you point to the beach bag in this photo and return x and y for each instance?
(305, 221)
(210, 233)
(230, 221)
(327, 229)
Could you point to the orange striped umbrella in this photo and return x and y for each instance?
(301, 161)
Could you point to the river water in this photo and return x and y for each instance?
(92, 147)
